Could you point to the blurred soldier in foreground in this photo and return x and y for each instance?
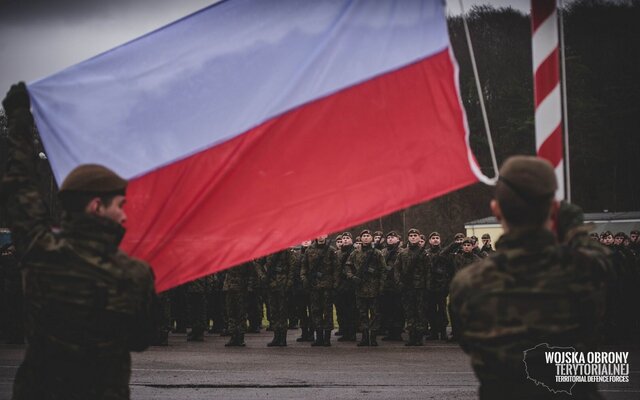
(533, 290)
(87, 304)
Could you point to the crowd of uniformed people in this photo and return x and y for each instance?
(378, 285)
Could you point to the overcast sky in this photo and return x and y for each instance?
(40, 37)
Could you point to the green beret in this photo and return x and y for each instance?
(486, 236)
(93, 178)
(530, 178)
(467, 240)
(393, 233)
(458, 236)
(378, 233)
(432, 234)
(347, 234)
(413, 230)
(365, 231)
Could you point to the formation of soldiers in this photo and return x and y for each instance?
(377, 285)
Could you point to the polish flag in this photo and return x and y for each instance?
(250, 126)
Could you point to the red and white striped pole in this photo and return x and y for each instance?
(547, 93)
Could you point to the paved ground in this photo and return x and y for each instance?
(209, 370)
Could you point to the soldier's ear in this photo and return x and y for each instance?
(495, 210)
(93, 206)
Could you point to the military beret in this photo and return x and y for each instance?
(606, 233)
(378, 233)
(347, 234)
(530, 178)
(338, 237)
(423, 237)
(486, 236)
(594, 235)
(413, 230)
(365, 231)
(432, 234)
(473, 238)
(467, 240)
(635, 232)
(458, 236)
(93, 178)
(621, 234)
(393, 233)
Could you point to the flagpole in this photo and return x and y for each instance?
(565, 115)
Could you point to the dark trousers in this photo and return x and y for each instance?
(414, 309)
(278, 309)
(391, 311)
(322, 308)
(368, 314)
(437, 310)
(346, 310)
(301, 308)
(236, 311)
(196, 310)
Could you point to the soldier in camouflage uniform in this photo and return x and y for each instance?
(301, 302)
(440, 265)
(278, 279)
(533, 290)
(196, 308)
(346, 294)
(87, 304)
(391, 311)
(215, 303)
(411, 276)
(319, 274)
(179, 313)
(238, 281)
(164, 320)
(367, 269)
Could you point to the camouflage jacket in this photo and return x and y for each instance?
(531, 291)
(343, 254)
(390, 254)
(410, 269)
(296, 280)
(320, 267)
(463, 260)
(278, 271)
(367, 268)
(440, 269)
(241, 278)
(87, 304)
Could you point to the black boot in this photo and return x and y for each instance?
(327, 338)
(319, 338)
(276, 339)
(365, 338)
(372, 339)
(443, 334)
(233, 341)
(283, 338)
